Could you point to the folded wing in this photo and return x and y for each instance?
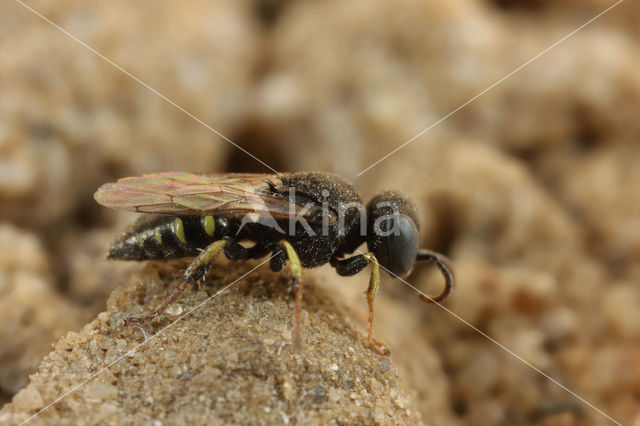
(194, 194)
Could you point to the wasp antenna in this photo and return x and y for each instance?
(444, 265)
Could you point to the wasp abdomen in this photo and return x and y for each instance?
(164, 237)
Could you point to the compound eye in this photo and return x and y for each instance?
(396, 243)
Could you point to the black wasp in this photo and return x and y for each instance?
(309, 219)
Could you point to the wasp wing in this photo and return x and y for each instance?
(194, 194)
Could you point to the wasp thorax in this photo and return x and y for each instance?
(392, 232)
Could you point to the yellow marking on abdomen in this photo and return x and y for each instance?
(209, 225)
(156, 233)
(178, 230)
(139, 240)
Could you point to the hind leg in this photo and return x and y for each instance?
(195, 272)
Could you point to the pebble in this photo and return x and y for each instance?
(334, 395)
(174, 310)
(98, 391)
(28, 399)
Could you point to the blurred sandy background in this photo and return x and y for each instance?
(533, 189)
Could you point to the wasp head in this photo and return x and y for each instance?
(392, 232)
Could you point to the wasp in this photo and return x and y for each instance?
(308, 219)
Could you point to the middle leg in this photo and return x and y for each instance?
(277, 263)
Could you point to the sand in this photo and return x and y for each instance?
(231, 360)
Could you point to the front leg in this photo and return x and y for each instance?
(353, 265)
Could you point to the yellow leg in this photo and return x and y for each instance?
(196, 270)
(296, 285)
(374, 286)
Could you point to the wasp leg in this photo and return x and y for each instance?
(446, 270)
(352, 266)
(296, 285)
(194, 273)
(236, 252)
